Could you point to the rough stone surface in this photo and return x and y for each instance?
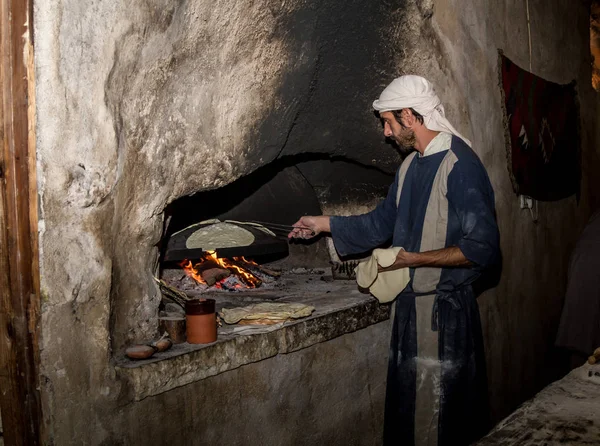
(343, 311)
(564, 413)
(159, 100)
(142, 102)
(520, 316)
(331, 393)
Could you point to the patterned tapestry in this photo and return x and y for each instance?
(541, 120)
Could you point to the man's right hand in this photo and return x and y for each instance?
(309, 226)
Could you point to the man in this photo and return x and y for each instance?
(440, 209)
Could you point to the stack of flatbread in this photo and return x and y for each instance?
(265, 313)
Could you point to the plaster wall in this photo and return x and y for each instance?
(329, 393)
(142, 102)
(520, 315)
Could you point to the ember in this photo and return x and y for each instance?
(212, 270)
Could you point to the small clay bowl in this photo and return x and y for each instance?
(140, 351)
(162, 344)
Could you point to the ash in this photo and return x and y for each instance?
(178, 279)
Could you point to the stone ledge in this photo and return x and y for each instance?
(334, 316)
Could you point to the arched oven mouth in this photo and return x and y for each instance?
(263, 205)
(224, 263)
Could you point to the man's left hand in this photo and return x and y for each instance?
(403, 260)
(446, 257)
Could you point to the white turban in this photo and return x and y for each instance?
(417, 93)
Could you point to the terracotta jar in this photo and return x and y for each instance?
(201, 321)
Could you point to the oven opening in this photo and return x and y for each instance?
(230, 244)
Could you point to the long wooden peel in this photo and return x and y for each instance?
(281, 227)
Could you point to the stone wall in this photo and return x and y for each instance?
(142, 102)
(521, 315)
(330, 393)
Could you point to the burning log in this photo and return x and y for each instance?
(255, 268)
(204, 264)
(214, 275)
(243, 279)
(212, 270)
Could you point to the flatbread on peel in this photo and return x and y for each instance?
(219, 235)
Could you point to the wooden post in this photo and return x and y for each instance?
(20, 404)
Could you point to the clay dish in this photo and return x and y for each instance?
(140, 351)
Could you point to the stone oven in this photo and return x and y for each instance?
(263, 204)
(270, 269)
(274, 197)
(274, 123)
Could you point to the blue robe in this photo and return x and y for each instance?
(437, 388)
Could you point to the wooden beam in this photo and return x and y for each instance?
(20, 404)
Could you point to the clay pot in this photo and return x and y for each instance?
(162, 345)
(201, 321)
(140, 351)
(174, 326)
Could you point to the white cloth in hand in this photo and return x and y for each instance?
(385, 286)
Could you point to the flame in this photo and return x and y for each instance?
(244, 259)
(249, 279)
(190, 271)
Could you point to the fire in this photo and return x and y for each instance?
(194, 271)
(189, 269)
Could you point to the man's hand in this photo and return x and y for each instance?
(403, 260)
(309, 226)
(439, 258)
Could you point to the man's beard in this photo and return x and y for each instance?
(406, 142)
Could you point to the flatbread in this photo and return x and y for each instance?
(266, 310)
(385, 285)
(219, 235)
(254, 225)
(261, 321)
